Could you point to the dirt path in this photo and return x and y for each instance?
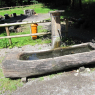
(37, 17)
(24, 18)
(68, 83)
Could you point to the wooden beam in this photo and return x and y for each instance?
(20, 23)
(57, 11)
(25, 35)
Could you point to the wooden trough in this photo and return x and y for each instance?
(18, 64)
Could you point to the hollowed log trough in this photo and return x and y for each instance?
(14, 66)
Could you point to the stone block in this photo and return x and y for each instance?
(29, 12)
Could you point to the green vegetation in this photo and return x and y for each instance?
(48, 19)
(51, 76)
(7, 84)
(38, 8)
(41, 78)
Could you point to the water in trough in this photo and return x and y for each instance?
(55, 53)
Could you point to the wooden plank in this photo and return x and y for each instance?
(20, 23)
(25, 35)
(56, 11)
(8, 34)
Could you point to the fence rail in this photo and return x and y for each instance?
(6, 25)
(19, 23)
(25, 35)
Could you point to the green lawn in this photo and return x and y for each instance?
(38, 8)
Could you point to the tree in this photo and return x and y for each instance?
(72, 3)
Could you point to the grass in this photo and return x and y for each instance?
(48, 19)
(7, 84)
(38, 8)
(1, 59)
(41, 78)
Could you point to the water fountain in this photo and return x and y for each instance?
(25, 64)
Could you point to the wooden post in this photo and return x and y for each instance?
(66, 28)
(56, 28)
(8, 34)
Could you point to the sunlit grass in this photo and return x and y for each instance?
(38, 8)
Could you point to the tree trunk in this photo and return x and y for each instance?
(72, 3)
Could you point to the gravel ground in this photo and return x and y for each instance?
(37, 17)
(67, 83)
(25, 18)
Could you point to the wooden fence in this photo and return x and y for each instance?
(25, 35)
(19, 23)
